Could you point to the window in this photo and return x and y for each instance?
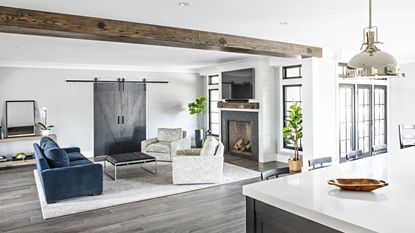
(379, 115)
(291, 95)
(214, 117)
(291, 72)
(364, 118)
(213, 80)
(346, 116)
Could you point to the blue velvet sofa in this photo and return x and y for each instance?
(65, 172)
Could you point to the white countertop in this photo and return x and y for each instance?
(388, 209)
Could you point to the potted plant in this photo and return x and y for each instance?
(198, 108)
(292, 134)
(44, 127)
(21, 155)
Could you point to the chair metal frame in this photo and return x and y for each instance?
(274, 172)
(319, 161)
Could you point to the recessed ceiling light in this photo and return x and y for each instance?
(184, 4)
(283, 23)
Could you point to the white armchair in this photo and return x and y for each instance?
(165, 145)
(197, 166)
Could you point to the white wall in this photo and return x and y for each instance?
(402, 103)
(70, 105)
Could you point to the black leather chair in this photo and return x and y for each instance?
(354, 155)
(274, 172)
(319, 163)
(379, 149)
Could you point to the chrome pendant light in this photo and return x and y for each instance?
(372, 62)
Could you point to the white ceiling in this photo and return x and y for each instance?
(333, 24)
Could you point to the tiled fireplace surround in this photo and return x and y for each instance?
(241, 128)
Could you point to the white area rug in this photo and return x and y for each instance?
(134, 184)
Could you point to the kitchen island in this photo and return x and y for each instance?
(306, 203)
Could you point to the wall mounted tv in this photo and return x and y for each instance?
(238, 85)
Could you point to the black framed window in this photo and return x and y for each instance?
(346, 117)
(364, 118)
(214, 115)
(291, 95)
(213, 80)
(379, 115)
(291, 72)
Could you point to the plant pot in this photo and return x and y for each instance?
(199, 138)
(295, 165)
(45, 133)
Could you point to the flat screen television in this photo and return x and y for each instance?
(238, 84)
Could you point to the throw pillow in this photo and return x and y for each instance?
(57, 157)
(209, 147)
(47, 143)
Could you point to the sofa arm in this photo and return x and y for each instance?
(197, 169)
(189, 152)
(66, 182)
(72, 149)
(147, 142)
(183, 143)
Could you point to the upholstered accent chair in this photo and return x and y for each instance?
(165, 145)
(199, 166)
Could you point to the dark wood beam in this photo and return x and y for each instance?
(23, 21)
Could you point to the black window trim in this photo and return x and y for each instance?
(284, 72)
(209, 110)
(283, 113)
(371, 106)
(210, 79)
(353, 138)
(385, 88)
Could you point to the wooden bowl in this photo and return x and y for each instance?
(358, 184)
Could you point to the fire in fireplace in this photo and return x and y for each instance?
(240, 137)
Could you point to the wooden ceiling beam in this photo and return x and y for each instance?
(31, 22)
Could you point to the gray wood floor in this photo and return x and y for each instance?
(216, 209)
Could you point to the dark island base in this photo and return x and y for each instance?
(263, 218)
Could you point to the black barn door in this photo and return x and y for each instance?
(119, 117)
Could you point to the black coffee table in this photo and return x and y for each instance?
(126, 159)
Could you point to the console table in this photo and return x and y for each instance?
(10, 162)
(26, 138)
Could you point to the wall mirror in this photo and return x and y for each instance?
(20, 118)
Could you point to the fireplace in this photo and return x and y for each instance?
(239, 138)
(239, 133)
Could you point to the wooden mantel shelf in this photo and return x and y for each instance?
(26, 138)
(237, 105)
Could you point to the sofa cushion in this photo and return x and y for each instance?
(80, 162)
(159, 147)
(57, 157)
(47, 143)
(209, 147)
(75, 156)
(169, 135)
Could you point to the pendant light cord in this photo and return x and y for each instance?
(370, 13)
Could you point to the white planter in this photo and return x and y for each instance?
(45, 133)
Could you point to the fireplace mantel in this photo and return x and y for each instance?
(236, 105)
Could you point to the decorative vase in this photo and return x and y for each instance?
(45, 133)
(199, 138)
(295, 165)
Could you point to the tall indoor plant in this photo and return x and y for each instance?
(293, 133)
(198, 108)
(44, 127)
